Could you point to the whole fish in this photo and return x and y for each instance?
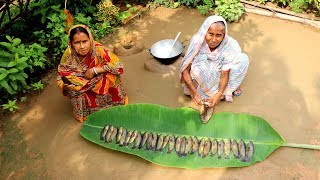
(108, 136)
(149, 141)
(206, 148)
(195, 145)
(172, 143)
(137, 140)
(154, 141)
(201, 147)
(133, 136)
(182, 147)
(178, 144)
(104, 132)
(113, 134)
(144, 139)
(250, 151)
(188, 146)
(159, 142)
(242, 151)
(123, 137)
(214, 147)
(126, 141)
(227, 149)
(220, 148)
(165, 142)
(119, 134)
(235, 148)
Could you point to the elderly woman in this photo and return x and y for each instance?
(213, 67)
(89, 74)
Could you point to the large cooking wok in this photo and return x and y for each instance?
(161, 49)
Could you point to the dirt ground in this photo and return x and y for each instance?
(281, 86)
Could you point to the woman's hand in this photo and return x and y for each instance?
(89, 74)
(68, 86)
(196, 98)
(214, 100)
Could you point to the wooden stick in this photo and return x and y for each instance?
(283, 11)
(65, 4)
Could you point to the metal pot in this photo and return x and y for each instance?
(161, 49)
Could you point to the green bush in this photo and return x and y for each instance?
(17, 62)
(45, 8)
(12, 66)
(206, 7)
(54, 36)
(231, 10)
(298, 6)
(191, 3)
(100, 30)
(36, 58)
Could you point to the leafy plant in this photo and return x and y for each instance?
(41, 8)
(54, 36)
(101, 29)
(206, 7)
(161, 2)
(45, 8)
(231, 10)
(168, 4)
(82, 19)
(131, 9)
(37, 86)
(192, 3)
(11, 105)
(12, 66)
(107, 12)
(298, 6)
(123, 15)
(36, 58)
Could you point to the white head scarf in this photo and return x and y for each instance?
(198, 39)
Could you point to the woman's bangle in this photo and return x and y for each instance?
(220, 92)
(95, 71)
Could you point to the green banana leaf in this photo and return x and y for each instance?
(184, 122)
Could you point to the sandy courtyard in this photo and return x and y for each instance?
(281, 86)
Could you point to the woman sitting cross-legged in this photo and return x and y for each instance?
(89, 74)
(213, 67)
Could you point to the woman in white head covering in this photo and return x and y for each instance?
(213, 67)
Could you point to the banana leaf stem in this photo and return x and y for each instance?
(305, 146)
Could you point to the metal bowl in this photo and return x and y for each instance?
(161, 49)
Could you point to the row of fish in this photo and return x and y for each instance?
(181, 145)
